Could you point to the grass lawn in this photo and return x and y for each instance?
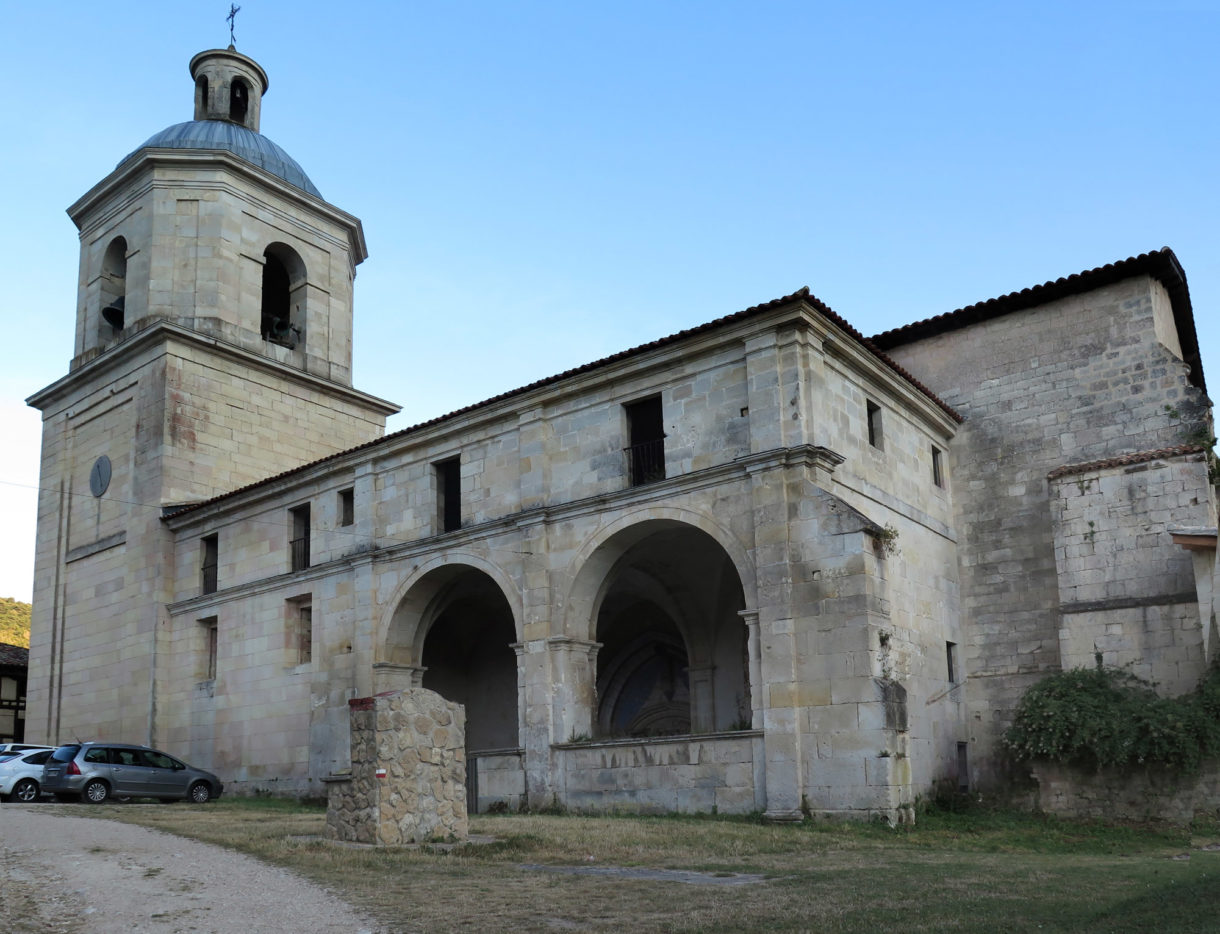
(966, 871)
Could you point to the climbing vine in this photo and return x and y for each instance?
(1104, 717)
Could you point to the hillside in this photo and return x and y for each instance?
(14, 622)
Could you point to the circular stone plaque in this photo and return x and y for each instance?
(99, 476)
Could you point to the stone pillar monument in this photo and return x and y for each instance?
(408, 778)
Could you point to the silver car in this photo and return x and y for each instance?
(94, 772)
(20, 773)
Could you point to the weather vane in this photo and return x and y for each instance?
(234, 9)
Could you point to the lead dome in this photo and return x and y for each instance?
(229, 88)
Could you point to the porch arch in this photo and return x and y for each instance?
(454, 629)
(664, 598)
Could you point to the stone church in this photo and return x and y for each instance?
(764, 564)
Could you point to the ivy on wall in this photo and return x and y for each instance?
(1106, 717)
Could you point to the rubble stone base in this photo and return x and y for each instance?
(408, 778)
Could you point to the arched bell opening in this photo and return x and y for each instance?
(673, 655)
(202, 104)
(114, 288)
(282, 318)
(239, 101)
(456, 626)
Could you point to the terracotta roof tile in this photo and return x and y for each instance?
(1124, 460)
(800, 295)
(1161, 264)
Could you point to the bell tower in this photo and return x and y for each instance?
(213, 350)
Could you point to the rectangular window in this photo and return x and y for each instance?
(938, 470)
(210, 633)
(645, 441)
(347, 507)
(300, 630)
(963, 767)
(299, 543)
(873, 413)
(951, 661)
(449, 494)
(209, 559)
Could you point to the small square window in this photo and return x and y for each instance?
(347, 507)
(873, 413)
(938, 469)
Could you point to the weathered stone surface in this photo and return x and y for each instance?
(1136, 793)
(421, 793)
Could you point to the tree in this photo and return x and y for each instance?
(14, 622)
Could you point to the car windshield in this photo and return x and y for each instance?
(65, 753)
(38, 758)
(6, 756)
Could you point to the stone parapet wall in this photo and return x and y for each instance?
(408, 778)
(680, 773)
(1145, 793)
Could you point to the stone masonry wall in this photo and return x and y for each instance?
(1125, 589)
(408, 779)
(681, 773)
(1129, 794)
(1078, 379)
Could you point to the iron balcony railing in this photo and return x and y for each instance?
(300, 553)
(646, 462)
(209, 578)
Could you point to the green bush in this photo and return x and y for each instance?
(1108, 717)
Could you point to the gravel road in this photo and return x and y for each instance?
(82, 875)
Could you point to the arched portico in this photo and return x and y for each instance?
(453, 630)
(664, 599)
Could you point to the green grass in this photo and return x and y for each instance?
(971, 870)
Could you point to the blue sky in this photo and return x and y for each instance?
(543, 184)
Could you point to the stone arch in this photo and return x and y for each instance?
(239, 100)
(454, 629)
(114, 287)
(602, 549)
(421, 585)
(284, 288)
(664, 597)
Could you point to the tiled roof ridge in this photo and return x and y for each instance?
(1160, 262)
(801, 294)
(1123, 460)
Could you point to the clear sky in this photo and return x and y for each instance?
(543, 184)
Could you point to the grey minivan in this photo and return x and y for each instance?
(94, 772)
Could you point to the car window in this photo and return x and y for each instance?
(125, 756)
(158, 760)
(65, 753)
(4, 757)
(37, 758)
(96, 755)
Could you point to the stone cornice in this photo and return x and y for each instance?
(145, 158)
(162, 331)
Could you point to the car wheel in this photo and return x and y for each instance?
(201, 793)
(26, 790)
(96, 791)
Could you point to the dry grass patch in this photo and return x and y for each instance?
(950, 873)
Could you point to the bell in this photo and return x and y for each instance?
(113, 313)
(284, 332)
